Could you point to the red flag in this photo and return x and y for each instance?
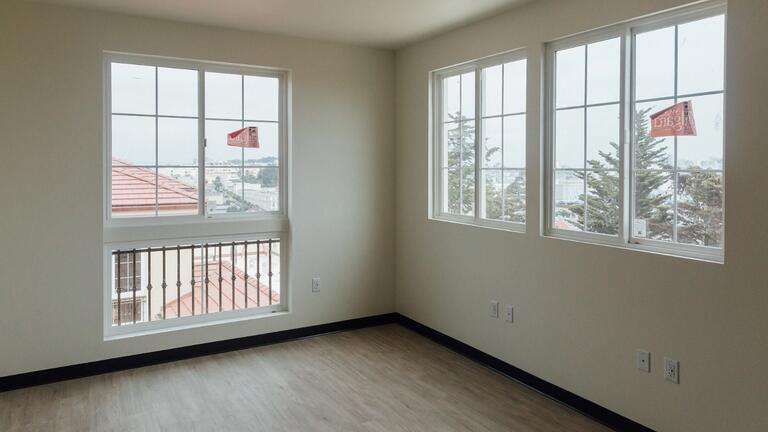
(247, 137)
(676, 120)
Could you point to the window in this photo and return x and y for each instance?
(128, 275)
(479, 142)
(193, 140)
(659, 186)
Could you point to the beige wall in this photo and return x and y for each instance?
(582, 310)
(342, 195)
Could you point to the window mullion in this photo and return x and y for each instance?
(157, 146)
(201, 143)
(479, 188)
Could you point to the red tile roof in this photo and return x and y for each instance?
(133, 189)
(258, 294)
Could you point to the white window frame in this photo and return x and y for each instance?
(627, 32)
(126, 233)
(436, 193)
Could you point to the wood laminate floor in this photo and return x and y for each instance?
(383, 378)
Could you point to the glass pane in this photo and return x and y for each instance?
(217, 152)
(514, 141)
(133, 191)
(452, 190)
(262, 98)
(603, 71)
(603, 126)
(177, 92)
(223, 96)
(603, 202)
(492, 142)
(655, 64)
(514, 195)
(468, 95)
(133, 139)
(652, 152)
(705, 150)
(468, 190)
(569, 77)
(177, 191)
(492, 90)
(268, 152)
(514, 87)
(569, 138)
(700, 208)
(224, 190)
(493, 202)
(451, 98)
(261, 189)
(176, 141)
(701, 51)
(133, 89)
(653, 201)
(569, 200)
(451, 145)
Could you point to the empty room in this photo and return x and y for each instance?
(384, 215)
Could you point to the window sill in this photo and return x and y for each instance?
(696, 253)
(515, 227)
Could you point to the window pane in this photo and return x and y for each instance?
(492, 142)
(603, 126)
(269, 145)
(176, 141)
(452, 190)
(224, 190)
(652, 152)
(451, 145)
(223, 96)
(262, 98)
(569, 77)
(700, 208)
(261, 189)
(655, 64)
(177, 191)
(177, 92)
(514, 86)
(217, 152)
(133, 139)
(492, 93)
(514, 195)
(451, 98)
(603, 202)
(569, 138)
(493, 202)
(468, 190)
(514, 141)
(133, 89)
(603, 71)
(653, 203)
(468, 95)
(133, 190)
(569, 200)
(705, 150)
(701, 55)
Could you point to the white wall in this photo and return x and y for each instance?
(582, 310)
(51, 178)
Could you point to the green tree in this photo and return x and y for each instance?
(700, 208)
(461, 166)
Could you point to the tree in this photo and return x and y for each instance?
(461, 166)
(700, 208)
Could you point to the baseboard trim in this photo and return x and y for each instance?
(82, 370)
(572, 400)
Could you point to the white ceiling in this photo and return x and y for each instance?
(376, 23)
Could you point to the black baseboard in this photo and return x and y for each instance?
(63, 373)
(578, 403)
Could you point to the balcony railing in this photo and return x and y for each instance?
(160, 283)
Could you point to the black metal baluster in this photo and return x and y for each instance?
(178, 281)
(133, 284)
(270, 271)
(233, 275)
(192, 282)
(118, 288)
(221, 278)
(258, 273)
(246, 274)
(149, 284)
(164, 285)
(207, 281)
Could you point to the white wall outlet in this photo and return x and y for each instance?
(316, 284)
(672, 370)
(494, 309)
(509, 313)
(643, 360)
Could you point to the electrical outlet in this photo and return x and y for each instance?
(509, 313)
(494, 309)
(672, 370)
(643, 361)
(316, 284)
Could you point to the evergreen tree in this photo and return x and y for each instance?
(461, 166)
(700, 208)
